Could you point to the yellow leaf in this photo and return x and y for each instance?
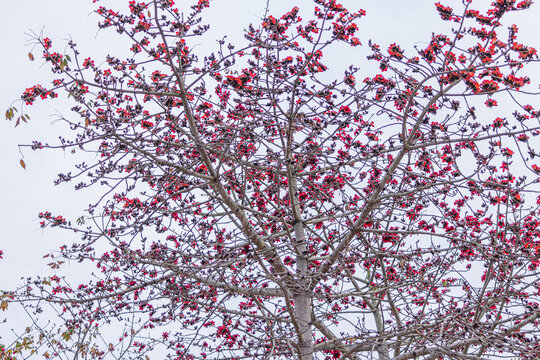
(23, 164)
(3, 305)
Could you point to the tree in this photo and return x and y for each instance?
(256, 205)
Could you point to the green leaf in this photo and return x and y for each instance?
(67, 335)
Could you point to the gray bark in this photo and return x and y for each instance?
(302, 296)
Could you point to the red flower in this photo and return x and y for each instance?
(345, 110)
(489, 86)
(350, 80)
(507, 152)
(146, 124)
(395, 51)
(444, 11)
(490, 103)
(355, 41)
(498, 122)
(88, 63)
(524, 4)
(47, 43)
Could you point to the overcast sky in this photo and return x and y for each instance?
(27, 192)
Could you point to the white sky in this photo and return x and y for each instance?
(27, 192)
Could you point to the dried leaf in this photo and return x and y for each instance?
(31, 56)
(10, 113)
(23, 164)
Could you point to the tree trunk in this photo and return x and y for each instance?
(302, 296)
